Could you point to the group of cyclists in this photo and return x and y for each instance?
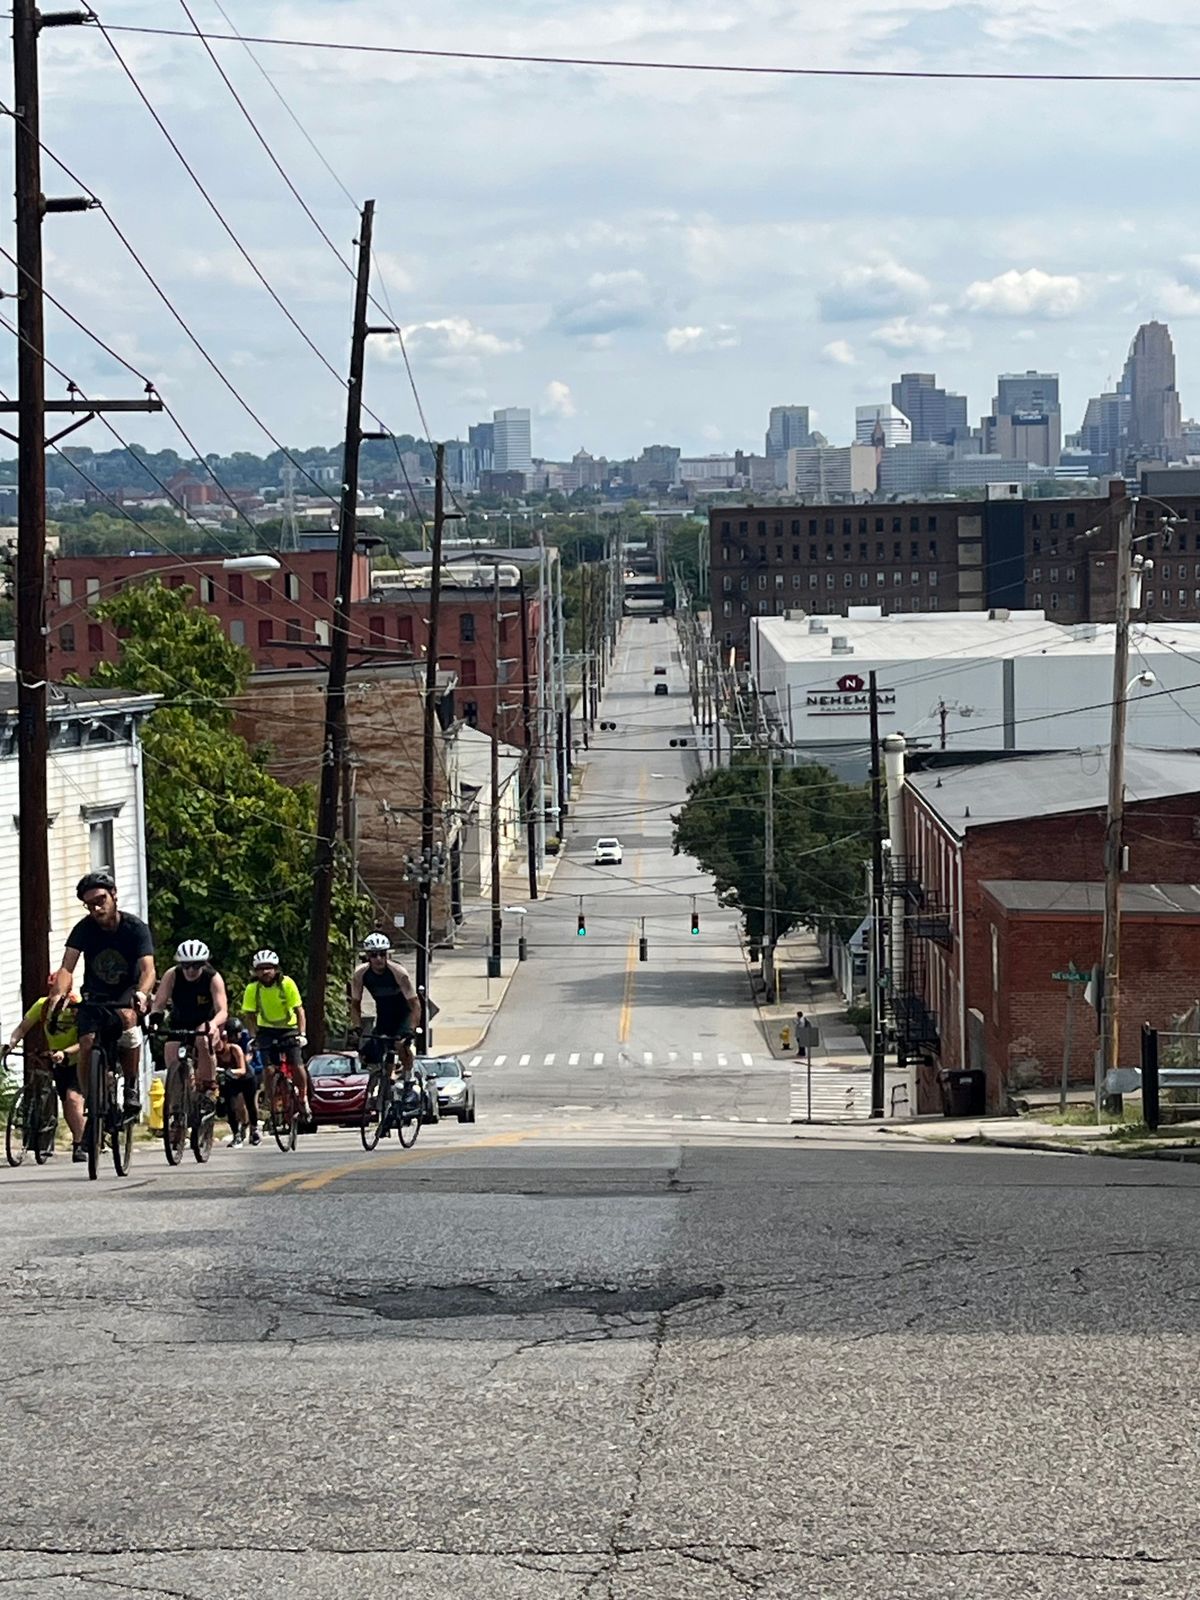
(119, 981)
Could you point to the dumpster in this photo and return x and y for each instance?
(964, 1094)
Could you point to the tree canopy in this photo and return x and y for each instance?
(822, 838)
(229, 848)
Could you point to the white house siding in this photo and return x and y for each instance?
(97, 776)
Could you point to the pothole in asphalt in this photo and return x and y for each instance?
(431, 1302)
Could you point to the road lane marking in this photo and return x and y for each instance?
(523, 1062)
(549, 1061)
(573, 1060)
(697, 1058)
(321, 1180)
(281, 1182)
(474, 1061)
(647, 1058)
(722, 1061)
(747, 1061)
(598, 1059)
(499, 1061)
(672, 1055)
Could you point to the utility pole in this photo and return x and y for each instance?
(1129, 584)
(877, 963)
(768, 953)
(31, 408)
(585, 645)
(429, 746)
(334, 769)
(494, 960)
(527, 753)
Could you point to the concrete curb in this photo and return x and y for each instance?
(1056, 1147)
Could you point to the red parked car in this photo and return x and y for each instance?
(339, 1087)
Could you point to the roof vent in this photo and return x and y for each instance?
(842, 645)
(1084, 632)
(815, 625)
(999, 614)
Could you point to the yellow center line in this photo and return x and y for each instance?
(627, 1001)
(319, 1180)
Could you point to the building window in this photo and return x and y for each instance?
(1183, 597)
(762, 580)
(743, 582)
(897, 579)
(862, 552)
(66, 637)
(933, 602)
(914, 551)
(915, 579)
(727, 608)
(466, 627)
(880, 579)
(931, 525)
(66, 591)
(262, 589)
(812, 580)
(235, 589)
(743, 528)
(847, 580)
(1054, 519)
(726, 584)
(237, 631)
(1070, 574)
(321, 585)
(208, 590)
(95, 638)
(795, 552)
(1037, 599)
(779, 552)
(1148, 600)
(1037, 544)
(812, 527)
(725, 530)
(896, 524)
(762, 530)
(101, 848)
(321, 629)
(1166, 569)
(812, 552)
(1070, 519)
(795, 527)
(763, 607)
(266, 630)
(291, 585)
(845, 552)
(725, 552)
(1054, 602)
(471, 713)
(1053, 574)
(829, 552)
(291, 630)
(829, 580)
(1036, 573)
(933, 578)
(93, 588)
(779, 580)
(1035, 522)
(797, 580)
(1183, 541)
(896, 551)
(933, 549)
(863, 580)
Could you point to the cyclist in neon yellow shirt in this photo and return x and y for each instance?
(274, 1012)
(57, 1043)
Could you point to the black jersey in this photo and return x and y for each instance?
(192, 1002)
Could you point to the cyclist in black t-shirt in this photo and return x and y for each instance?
(194, 993)
(397, 1004)
(118, 971)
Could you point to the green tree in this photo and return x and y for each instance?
(822, 838)
(229, 848)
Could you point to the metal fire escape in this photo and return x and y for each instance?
(921, 918)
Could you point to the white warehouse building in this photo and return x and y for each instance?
(965, 682)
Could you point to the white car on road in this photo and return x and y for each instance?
(608, 852)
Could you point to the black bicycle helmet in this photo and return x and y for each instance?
(95, 880)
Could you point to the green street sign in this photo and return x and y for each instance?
(1070, 976)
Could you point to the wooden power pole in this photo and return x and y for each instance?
(334, 767)
(31, 408)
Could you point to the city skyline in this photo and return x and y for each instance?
(663, 296)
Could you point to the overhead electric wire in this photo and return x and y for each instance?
(653, 65)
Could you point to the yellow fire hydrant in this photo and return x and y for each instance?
(158, 1094)
(785, 1037)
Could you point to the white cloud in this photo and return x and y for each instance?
(873, 289)
(904, 335)
(557, 400)
(686, 341)
(608, 303)
(1032, 293)
(447, 342)
(839, 353)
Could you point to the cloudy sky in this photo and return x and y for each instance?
(637, 256)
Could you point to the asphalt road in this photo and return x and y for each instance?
(605, 1344)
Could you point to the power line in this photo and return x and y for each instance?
(651, 65)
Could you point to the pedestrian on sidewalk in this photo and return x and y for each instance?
(801, 1025)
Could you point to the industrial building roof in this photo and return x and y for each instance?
(1137, 899)
(1013, 788)
(945, 635)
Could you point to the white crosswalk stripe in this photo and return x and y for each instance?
(747, 1061)
(598, 1059)
(523, 1062)
(825, 1080)
(722, 1061)
(835, 1095)
(500, 1060)
(647, 1058)
(573, 1060)
(474, 1061)
(549, 1061)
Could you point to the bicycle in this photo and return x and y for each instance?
(284, 1105)
(389, 1103)
(33, 1115)
(107, 1119)
(186, 1112)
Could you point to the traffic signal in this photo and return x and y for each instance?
(581, 927)
(695, 924)
(643, 949)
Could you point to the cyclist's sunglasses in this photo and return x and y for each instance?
(97, 900)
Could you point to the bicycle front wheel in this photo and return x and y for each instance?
(175, 1115)
(44, 1130)
(371, 1126)
(122, 1133)
(97, 1111)
(408, 1122)
(285, 1113)
(202, 1131)
(14, 1131)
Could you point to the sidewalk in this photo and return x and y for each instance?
(467, 997)
(1180, 1142)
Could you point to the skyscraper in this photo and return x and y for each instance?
(937, 416)
(1155, 416)
(1026, 420)
(512, 448)
(887, 423)
(787, 430)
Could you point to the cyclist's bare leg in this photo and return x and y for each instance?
(130, 1056)
(72, 1105)
(206, 1067)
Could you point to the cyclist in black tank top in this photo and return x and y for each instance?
(397, 1004)
(193, 991)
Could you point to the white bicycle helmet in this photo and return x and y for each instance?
(192, 952)
(375, 942)
(265, 958)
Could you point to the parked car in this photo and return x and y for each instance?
(654, 619)
(660, 688)
(452, 1081)
(660, 672)
(608, 852)
(339, 1087)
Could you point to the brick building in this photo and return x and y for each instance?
(284, 620)
(994, 883)
(284, 712)
(939, 555)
